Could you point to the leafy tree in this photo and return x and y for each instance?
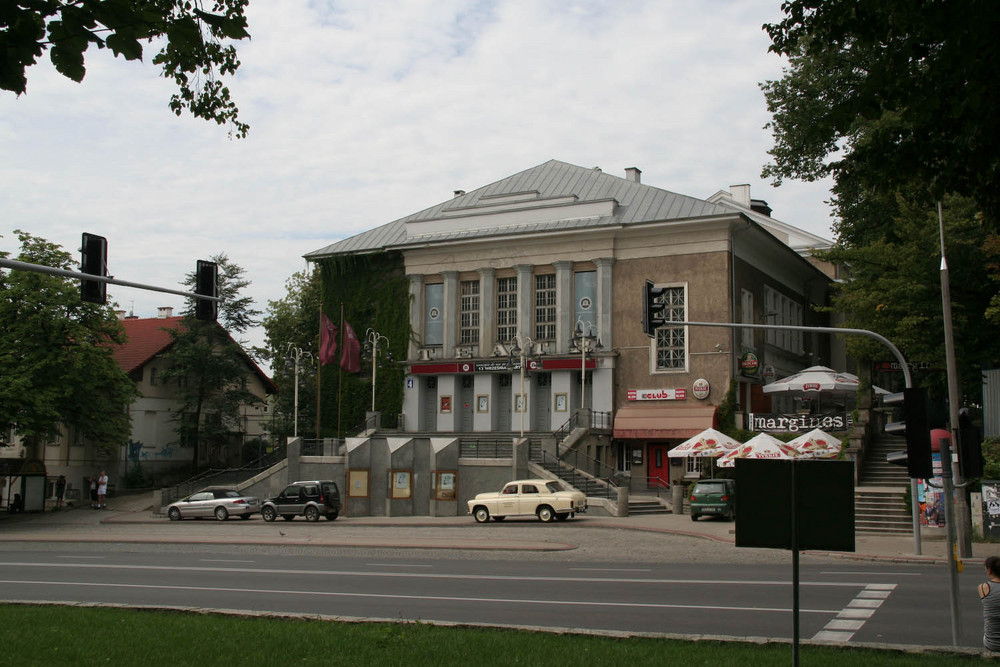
(895, 101)
(888, 94)
(210, 367)
(894, 289)
(56, 355)
(194, 52)
(294, 321)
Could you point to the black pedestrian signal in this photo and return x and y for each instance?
(654, 311)
(206, 284)
(94, 260)
(970, 447)
(916, 427)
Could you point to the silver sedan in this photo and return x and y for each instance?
(220, 503)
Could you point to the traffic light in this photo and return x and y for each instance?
(970, 449)
(652, 308)
(93, 260)
(917, 430)
(206, 284)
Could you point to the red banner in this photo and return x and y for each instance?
(327, 340)
(350, 358)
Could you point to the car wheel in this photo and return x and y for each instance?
(546, 514)
(288, 517)
(332, 515)
(268, 514)
(311, 514)
(221, 513)
(694, 517)
(482, 514)
(174, 514)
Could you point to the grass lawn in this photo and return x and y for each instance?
(52, 635)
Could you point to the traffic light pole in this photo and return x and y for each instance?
(38, 268)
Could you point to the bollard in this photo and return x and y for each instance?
(677, 495)
(622, 501)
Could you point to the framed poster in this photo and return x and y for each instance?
(446, 404)
(562, 402)
(357, 483)
(637, 455)
(445, 484)
(482, 403)
(518, 402)
(400, 484)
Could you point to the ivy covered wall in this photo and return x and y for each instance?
(374, 293)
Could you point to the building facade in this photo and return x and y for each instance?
(527, 299)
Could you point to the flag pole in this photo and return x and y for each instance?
(319, 372)
(340, 370)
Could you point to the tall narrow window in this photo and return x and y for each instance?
(506, 309)
(671, 341)
(433, 314)
(746, 308)
(545, 307)
(469, 312)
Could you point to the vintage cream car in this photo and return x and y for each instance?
(544, 498)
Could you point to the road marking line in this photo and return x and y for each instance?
(81, 557)
(435, 598)
(396, 565)
(610, 569)
(222, 560)
(863, 606)
(488, 577)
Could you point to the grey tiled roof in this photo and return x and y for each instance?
(636, 203)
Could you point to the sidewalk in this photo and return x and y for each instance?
(131, 519)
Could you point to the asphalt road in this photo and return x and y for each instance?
(840, 601)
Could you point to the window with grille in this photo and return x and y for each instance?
(469, 312)
(782, 310)
(506, 309)
(671, 341)
(545, 307)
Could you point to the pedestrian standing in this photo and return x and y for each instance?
(93, 493)
(989, 595)
(102, 490)
(60, 490)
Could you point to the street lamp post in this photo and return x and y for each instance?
(522, 347)
(373, 340)
(296, 354)
(585, 340)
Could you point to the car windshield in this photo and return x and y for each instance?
(710, 487)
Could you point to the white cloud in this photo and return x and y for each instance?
(364, 112)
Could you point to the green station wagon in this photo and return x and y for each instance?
(714, 497)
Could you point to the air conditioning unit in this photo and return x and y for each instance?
(424, 354)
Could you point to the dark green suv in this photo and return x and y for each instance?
(714, 497)
(311, 499)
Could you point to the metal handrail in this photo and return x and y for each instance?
(223, 476)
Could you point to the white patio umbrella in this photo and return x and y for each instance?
(761, 446)
(816, 444)
(707, 443)
(815, 379)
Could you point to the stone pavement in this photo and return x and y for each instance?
(131, 519)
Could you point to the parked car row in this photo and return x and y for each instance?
(311, 499)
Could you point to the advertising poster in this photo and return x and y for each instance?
(991, 508)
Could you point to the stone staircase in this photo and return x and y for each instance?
(646, 506)
(590, 486)
(880, 498)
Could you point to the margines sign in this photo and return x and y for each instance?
(773, 423)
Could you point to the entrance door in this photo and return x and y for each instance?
(430, 404)
(465, 407)
(503, 401)
(541, 402)
(658, 465)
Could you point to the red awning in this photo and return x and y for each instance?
(656, 422)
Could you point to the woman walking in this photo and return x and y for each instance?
(989, 595)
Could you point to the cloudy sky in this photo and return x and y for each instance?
(362, 112)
